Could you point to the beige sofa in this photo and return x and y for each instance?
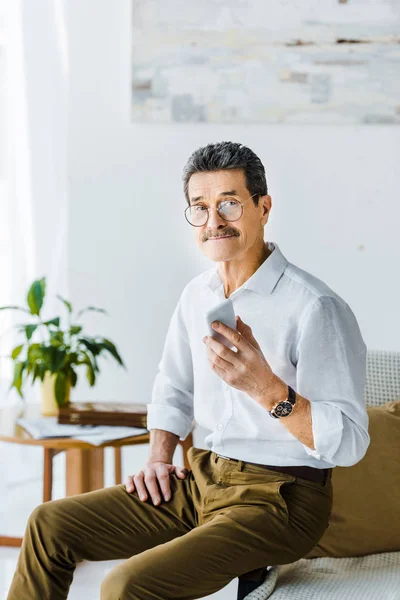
(368, 525)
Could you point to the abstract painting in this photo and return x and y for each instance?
(252, 61)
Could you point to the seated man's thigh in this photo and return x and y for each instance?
(203, 560)
(111, 523)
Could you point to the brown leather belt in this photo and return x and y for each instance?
(311, 473)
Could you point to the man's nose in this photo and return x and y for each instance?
(215, 219)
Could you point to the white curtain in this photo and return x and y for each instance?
(33, 202)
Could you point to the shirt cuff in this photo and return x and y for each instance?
(168, 418)
(327, 428)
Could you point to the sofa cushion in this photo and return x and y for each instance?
(365, 516)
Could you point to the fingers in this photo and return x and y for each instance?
(163, 480)
(147, 481)
(152, 479)
(247, 331)
(130, 486)
(140, 487)
(181, 472)
(241, 326)
(225, 355)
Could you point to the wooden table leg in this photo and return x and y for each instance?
(47, 474)
(117, 465)
(49, 454)
(14, 542)
(186, 444)
(84, 470)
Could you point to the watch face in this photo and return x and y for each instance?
(283, 409)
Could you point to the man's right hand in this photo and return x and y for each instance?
(155, 476)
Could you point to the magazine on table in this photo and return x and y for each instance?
(48, 427)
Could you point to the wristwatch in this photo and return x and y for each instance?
(284, 407)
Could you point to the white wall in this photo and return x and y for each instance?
(334, 191)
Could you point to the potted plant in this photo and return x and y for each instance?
(57, 351)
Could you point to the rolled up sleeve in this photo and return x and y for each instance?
(331, 374)
(171, 407)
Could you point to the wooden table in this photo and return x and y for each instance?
(84, 462)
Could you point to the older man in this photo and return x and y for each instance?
(282, 409)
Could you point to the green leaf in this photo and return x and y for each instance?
(17, 379)
(71, 359)
(67, 304)
(93, 308)
(72, 376)
(94, 363)
(75, 329)
(57, 359)
(36, 295)
(93, 350)
(29, 331)
(55, 321)
(108, 345)
(35, 372)
(15, 308)
(90, 374)
(42, 369)
(39, 370)
(91, 344)
(17, 351)
(60, 388)
(43, 355)
(86, 359)
(56, 338)
(35, 353)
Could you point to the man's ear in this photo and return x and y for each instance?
(266, 203)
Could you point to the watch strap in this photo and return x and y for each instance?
(291, 395)
(290, 398)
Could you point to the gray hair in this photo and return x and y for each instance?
(228, 155)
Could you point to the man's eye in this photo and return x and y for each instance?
(232, 202)
(199, 207)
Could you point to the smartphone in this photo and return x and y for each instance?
(224, 313)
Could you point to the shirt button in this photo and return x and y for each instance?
(220, 426)
(226, 386)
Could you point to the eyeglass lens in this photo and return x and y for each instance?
(230, 210)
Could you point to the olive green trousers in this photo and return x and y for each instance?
(225, 519)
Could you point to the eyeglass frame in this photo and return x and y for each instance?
(217, 207)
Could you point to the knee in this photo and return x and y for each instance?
(45, 521)
(123, 583)
(39, 515)
(114, 587)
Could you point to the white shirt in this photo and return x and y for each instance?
(311, 340)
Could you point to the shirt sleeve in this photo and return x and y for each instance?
(331, 374)
(171, 407)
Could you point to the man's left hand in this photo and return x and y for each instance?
(247, 369)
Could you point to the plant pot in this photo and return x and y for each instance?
(49, 406)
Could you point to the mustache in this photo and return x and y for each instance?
(220, 234)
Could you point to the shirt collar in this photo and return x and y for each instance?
(262, 281)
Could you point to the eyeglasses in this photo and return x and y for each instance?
(231, 209)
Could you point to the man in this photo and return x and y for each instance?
(282, 409)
